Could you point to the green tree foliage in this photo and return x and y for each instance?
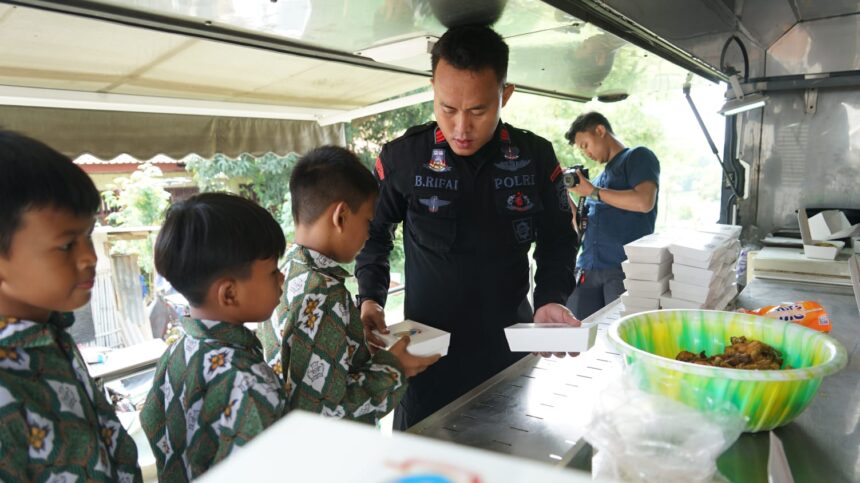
(140, 199)
(368, 134)
(264, 179)
(136, 201)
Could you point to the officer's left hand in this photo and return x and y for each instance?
(584, 188)
(556, 314)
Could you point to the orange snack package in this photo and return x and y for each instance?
(807, 313)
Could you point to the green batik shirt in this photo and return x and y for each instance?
(212, 392)
(329, 369)
(55, 424)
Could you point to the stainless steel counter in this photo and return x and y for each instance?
(538, 407)
(823, 443)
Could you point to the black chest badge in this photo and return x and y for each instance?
(523, 230)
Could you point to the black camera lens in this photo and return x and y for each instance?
(569, 178)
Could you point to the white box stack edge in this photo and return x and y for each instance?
(704, 268)
(682, 269)
(647, 271)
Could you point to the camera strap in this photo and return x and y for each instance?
(582, 216)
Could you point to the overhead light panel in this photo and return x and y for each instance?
(410, 52)
(740, 102)
(737, 106)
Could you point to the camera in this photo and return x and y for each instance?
(569, 175)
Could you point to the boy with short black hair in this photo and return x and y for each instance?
(55, 424)
(328, 367)
(213, 390)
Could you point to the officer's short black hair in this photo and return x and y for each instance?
(33, 176)
(327, 175)
(211, 235)
(587, 122)
(474, 48)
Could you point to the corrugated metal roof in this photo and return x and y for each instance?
(88, 159)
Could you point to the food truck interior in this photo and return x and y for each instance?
(174, 77)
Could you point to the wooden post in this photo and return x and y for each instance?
(103, 302)
(126, 276)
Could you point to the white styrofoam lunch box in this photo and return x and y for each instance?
(703, 247)
(550, 337)
(647, 288)
(699, 276)
(652, 248)
(646, 271)
(695, 293)
(732, 231)
(423, 339)
(644, 303)
(669, 302)
(830, 225)
(818, 248)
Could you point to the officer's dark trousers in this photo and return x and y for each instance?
(599, 289)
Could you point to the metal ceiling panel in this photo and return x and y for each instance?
(787, 30)
(700, 28)
(767, 20)
(816, 9)
(819, 46)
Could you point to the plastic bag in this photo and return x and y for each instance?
(806, 313)
(643, 437)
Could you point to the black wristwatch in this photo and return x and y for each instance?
(595, 195)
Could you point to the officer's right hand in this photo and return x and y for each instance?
(373, 318)
(412, 365)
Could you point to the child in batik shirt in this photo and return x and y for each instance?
(55, 424)
(213, 391)
(324, 358)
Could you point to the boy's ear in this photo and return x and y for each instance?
(226, 291)
(338, 215)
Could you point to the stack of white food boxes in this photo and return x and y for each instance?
(648, 271)
(703, 268)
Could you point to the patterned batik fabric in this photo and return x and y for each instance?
(318, 329)
(212, 393)
(55, 424)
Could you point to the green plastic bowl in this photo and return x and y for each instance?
(650, 341)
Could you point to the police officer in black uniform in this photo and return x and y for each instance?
(473, 194)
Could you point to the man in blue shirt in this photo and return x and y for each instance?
(622, 207)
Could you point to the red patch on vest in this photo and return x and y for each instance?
(555, 173)
(380, 172)
(440, 138)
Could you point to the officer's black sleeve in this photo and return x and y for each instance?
(372, 268)
(557, 243)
